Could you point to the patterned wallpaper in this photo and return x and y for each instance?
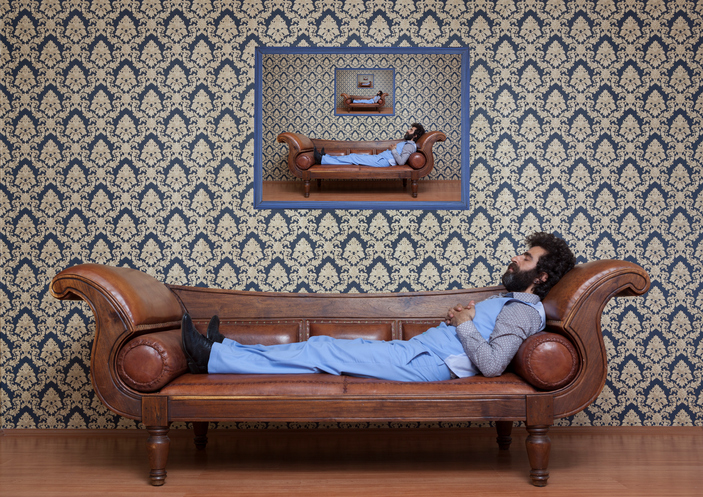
(298, 95)
(347, 82)
(128, 140)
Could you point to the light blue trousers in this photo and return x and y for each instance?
(399, 360)
(365, 101)
(380, 160)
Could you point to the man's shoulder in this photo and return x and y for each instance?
(524, 309)
(522, 304)
(529, 298)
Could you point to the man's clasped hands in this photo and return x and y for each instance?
(460, 314)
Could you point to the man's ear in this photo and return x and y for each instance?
(541, 278)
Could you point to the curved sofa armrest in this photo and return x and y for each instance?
(142, 301)
(424, 146)
(427, 140)
(296, 142)
(300, 151)
(126, 303)
(574, 307)
(581, 281)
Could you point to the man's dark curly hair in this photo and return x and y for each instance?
(556, 263)
(419, 131)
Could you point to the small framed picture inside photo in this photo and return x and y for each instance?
(364, 80)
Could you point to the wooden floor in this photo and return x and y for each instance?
(363, 191)
(602, 462)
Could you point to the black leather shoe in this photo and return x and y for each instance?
(213, 330)
(196, 347)
(317, 155)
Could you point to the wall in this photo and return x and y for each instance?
(129, 141)
(298, 96)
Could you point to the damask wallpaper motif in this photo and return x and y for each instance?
(298, 96)
(128, 140)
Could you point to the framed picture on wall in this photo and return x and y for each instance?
(364, 81)
(299, 106)
(364, 91)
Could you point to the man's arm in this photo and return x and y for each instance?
(514, 324)
(401, 159)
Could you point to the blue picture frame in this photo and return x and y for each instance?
(413, 204)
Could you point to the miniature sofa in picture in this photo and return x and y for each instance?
(359, 107)
(139, 370)
(301, 159)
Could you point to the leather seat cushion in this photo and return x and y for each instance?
(310, 385)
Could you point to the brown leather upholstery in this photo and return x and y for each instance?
(118, 283)
(306, 385)
(151, 361)
(305, 160)
(299, 385)
(416, 161)
(547, 360)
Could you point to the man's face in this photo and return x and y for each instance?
(410, 134)
(522, 271)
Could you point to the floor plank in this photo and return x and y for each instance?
(594, 461)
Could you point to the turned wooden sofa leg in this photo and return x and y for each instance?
(538, 447)
(157, 448)
(413, 184)
(307, 187)
(200, 434)
(504, 429)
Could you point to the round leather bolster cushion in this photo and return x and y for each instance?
(149, 362)
(416, 160)
(305, 160)
(547, 361)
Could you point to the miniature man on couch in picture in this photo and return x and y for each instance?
(369, 100)
(474, 339)
(387, 158)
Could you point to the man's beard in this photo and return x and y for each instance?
(408, 137)
(518, 281)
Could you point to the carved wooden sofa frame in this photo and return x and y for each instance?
(301, 160)
(139, 371)
(349, 102)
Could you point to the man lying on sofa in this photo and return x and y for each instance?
(474, 339)
(373, 100)
(391, 157)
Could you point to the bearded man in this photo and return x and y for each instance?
(476, 338)
(391, 157)
(373, 100)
